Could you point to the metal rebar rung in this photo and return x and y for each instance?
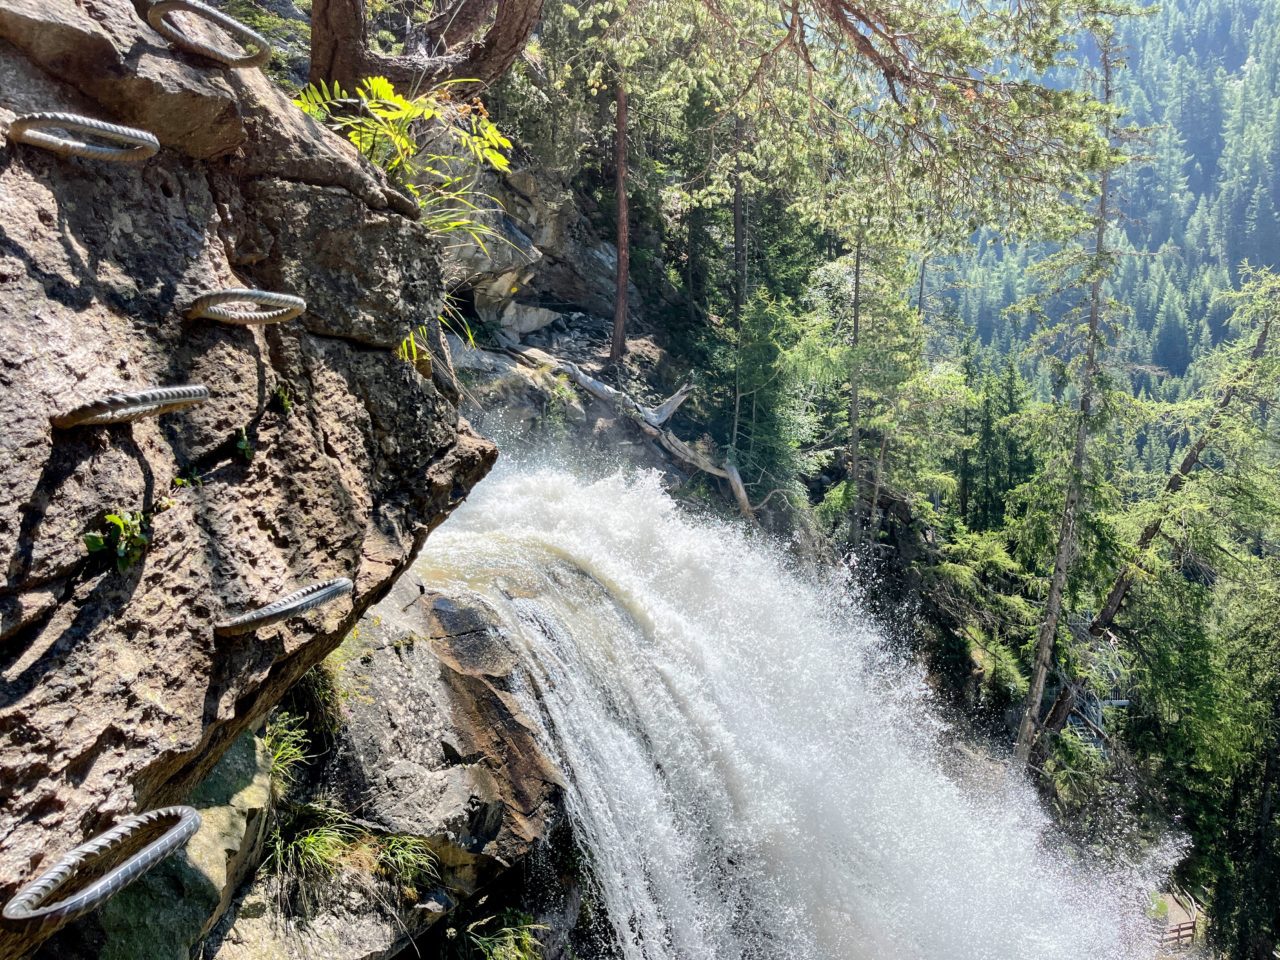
(32, 128)
(286, 607)
(125, 407)
(159, 11)
(280, 307)
(28, 904)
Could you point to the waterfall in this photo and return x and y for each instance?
(751, 774)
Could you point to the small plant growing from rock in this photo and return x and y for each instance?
(315, 841)
(283, 397)
(126, 535)
(510, 935)
(385, 127)
(407, 861)
(244, 445)
(287, 741)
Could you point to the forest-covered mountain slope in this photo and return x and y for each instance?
(1202, 82)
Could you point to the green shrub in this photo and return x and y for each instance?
(286, 739)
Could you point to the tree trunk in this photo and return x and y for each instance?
(619, 345)
(924, 260)
(739, 230)
(340, 51)
(873, 527)
(1053, 603)
(457, 22)
(650, 420)
(739, 288)
(855, 412)
(1028, 729)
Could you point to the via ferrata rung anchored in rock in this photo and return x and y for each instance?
(30, 907)
(295, 603)
(241, 306)
(159, 16)
(126, 407)
(55, 132)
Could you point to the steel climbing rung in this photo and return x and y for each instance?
(34, 129)
(286, 607)
(158, 16)
(29, 906)
(279, 307)
(126, 407)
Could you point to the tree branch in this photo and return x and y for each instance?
(340, 51)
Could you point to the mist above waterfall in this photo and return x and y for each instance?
(750, 773)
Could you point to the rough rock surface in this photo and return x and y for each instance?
(433, 744)
(169, 910)
(115, 696)
(543, 261)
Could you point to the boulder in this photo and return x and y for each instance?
(518, 319)
(319, 453)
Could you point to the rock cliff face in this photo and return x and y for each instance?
(432, 744)
(319, 453)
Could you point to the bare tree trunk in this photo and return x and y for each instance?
(855, 413)
(873, 527)
(340, 51)
(739, 289)
(457, 22)
(739, 231)
(1028, 729)
(650, 420)
(1053, 606)
(924, 260)
(619, 345)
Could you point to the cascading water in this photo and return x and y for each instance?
(751, 775)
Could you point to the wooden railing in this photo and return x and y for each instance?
(1182, 935)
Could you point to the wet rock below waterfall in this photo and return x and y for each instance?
(430, 744)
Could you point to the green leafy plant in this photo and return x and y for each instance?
(126, 534)
(245, 445)
(314, 841)
(390, 129)
(406, 860)
(310, 842)
(283, 397)
(451, 318)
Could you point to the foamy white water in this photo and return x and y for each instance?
(751, 775)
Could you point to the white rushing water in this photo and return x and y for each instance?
(751, 775)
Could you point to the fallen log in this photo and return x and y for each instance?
(650, 420)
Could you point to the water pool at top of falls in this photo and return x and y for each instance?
(752, 775)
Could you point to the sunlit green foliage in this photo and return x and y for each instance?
(393, 132)
(127, 536)
(510, 935)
